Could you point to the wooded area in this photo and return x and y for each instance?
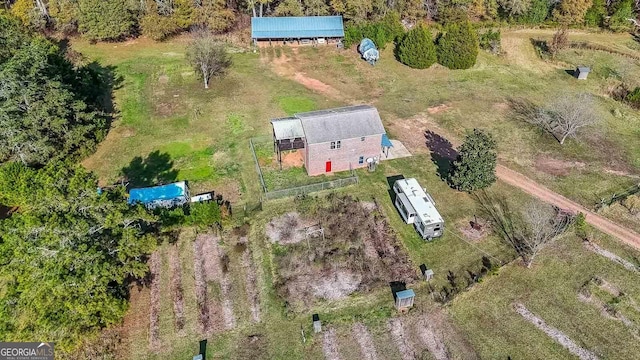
(159, 19)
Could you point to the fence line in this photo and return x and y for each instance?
(255, 159)
(618, 197)
(306, 189)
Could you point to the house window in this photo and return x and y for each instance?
(338, 144)
(333, 145)
(362, 138)
(361, 160)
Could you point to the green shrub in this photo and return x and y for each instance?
(392, 25)
(458, 46)
(490, 41)
(633, 98)
(158, 27)
(416, 49)
(377, 33)
(537, 13)
(596, 14)
(622, 11)
(204, 214)
(352, 35)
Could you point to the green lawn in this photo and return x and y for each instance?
(170, 128)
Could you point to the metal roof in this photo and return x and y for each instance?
(421, 202)
(287, 128)
(405, 294)
(583, 69)
(300, 27)
(342, 123)
(163, 192)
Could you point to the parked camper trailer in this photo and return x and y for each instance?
(418, 208)
(167, 196)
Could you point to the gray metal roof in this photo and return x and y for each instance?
(583, 69)
(341, 123)
(287, 128)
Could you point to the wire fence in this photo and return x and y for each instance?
(306, 189)
(295, 190)
(618, 197)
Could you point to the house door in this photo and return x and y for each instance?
(327, 167)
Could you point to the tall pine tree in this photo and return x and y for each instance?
(475, 167)
(416, 49)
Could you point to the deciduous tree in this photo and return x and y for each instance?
(515, 8)
(567, 115)
(208, 57)
(475, 167)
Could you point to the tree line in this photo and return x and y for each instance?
(159, 19)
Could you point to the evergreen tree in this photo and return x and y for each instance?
(596, 14)
(538, 12)
(457, 48)
(67, 253)
(622, 12)
(48, 109)
(416, 49)
(475, 167)
(104, 19)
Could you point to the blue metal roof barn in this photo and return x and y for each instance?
(300, 27)
(164, 195)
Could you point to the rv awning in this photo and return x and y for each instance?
(385, 141)
(405, 202)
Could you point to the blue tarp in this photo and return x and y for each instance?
(385, 141)
(405, 294)
(158, 193)
(297, 27)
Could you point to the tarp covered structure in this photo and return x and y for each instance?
(169, 195)
(368, 51)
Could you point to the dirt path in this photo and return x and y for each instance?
(330, 345)
(400, 337)
(611, 256)
(555, 334)
(365, 341)
(533, 188)
(177, 292)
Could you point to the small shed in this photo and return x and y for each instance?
(404, 299)
(317, 326)
(581, 72)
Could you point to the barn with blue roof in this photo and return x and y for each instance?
(296, 30)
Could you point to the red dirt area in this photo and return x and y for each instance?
(292, 159)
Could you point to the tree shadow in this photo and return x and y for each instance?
(391, 180)
(155, 169)
(442, 153)
(523, 109)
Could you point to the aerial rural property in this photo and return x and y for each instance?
(438, 179)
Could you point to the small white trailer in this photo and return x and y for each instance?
(417, 207)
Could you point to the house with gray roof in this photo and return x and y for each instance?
(332, 140)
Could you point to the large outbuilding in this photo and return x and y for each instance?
(296, 30)
(333, 140)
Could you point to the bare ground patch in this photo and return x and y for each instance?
(365, 341)
(556, 167)
(352, 248)
(432, 338)
(474, 229)
(154, 302)
(438, 109)
(251, 280)
(401, 339)
(330, 345)
(204, 321)
(288, 228)
(215, 261)
(177, 293)
(555, 334)
(292, 159)
(611, 256)
(283, 66)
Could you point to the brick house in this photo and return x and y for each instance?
(333, 140)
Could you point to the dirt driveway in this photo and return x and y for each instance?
(422, 135)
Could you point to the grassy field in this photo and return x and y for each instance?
(170, 128)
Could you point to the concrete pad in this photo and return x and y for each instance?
(397, 151)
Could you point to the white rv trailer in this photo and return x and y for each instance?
(418, 208)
